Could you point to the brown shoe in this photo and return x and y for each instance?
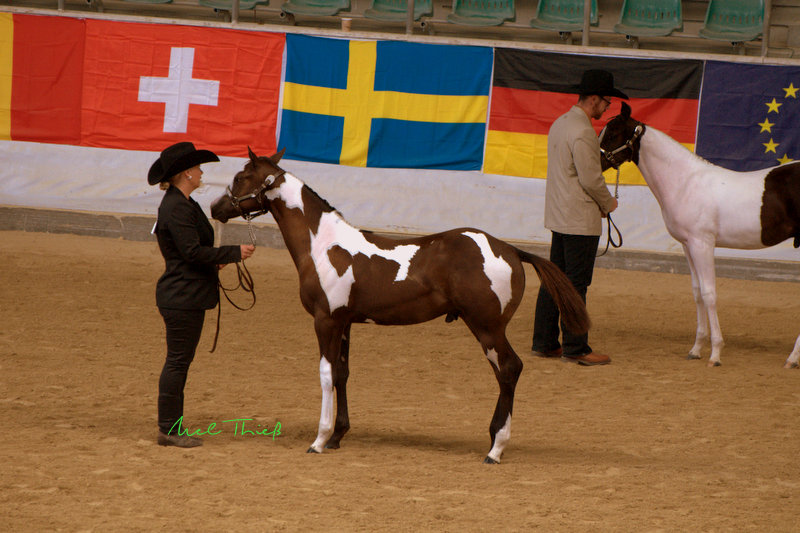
(548, 354)
(590, 359)
(181, 441)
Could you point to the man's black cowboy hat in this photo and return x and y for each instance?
(599, 82)
(177, 158)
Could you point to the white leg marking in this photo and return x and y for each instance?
(495, 267)
(791, 362)
(326, 413)
(335, 231)
(500, 440)
(491, 355)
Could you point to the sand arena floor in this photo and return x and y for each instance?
(652, 442)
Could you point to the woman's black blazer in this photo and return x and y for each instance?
(186, 240)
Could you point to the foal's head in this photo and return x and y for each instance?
(246, 196)
(619, 140)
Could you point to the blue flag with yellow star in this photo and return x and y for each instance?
(749, 115)
(385, 103)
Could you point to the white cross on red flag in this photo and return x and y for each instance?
(146, 86)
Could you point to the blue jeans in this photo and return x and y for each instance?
(574, 255)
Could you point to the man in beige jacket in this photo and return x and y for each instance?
(576, 200)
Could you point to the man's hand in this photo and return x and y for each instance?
(613, 207)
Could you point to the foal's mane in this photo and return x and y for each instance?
(328, 206)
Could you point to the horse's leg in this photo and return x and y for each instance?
(341, 373)
(329, 335)
(507, 367)
(701, 261)
(701, 334)
(791, 362)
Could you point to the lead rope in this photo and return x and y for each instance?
(610, 224)
(245, 282)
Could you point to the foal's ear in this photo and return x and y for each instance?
(277, 157)
(626, 111)
(253, 157)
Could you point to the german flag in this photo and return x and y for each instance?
(531, 89)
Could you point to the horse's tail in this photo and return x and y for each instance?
(569, 302)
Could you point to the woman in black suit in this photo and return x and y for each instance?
(189, 284)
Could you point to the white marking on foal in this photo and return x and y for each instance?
(335, 231)
(500, 440)
(326, 413)
(290, 191)
(495, 268)
(491, 355)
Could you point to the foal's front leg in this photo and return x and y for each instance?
(701, 332)
(701, 259)
(329, 334)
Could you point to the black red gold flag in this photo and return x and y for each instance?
(530, 89)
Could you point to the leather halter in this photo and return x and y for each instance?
(237, 200)
(611, 155)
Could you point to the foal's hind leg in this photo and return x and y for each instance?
(341, 373)
(507, 367)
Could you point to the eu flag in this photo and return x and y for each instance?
(749, 115)
(385, 104)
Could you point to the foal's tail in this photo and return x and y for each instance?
(569, 302)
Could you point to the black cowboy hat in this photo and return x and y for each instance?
(599, 82)
(177, 158)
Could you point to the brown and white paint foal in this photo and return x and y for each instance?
(348, 275)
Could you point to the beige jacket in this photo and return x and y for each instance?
(576, 191)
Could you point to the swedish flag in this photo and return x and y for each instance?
(385, 104)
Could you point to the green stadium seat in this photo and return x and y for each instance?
(649, 18)
(563, 16)
(735, 21)
(482, 12)
(226, 5)
(397, 10)
(322, 8)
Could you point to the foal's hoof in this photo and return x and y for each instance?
(490, 461)
(712, 364)
(787, 365)
(692, 357)
(332, 445)
(312, 450)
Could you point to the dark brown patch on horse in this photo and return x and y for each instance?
(780, 205)
(340, 259)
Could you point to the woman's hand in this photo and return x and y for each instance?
(247, 250)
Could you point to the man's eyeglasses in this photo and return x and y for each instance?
(606, 100)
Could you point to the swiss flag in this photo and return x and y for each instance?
(146, 86)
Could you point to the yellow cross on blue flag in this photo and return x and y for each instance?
(749, 115)
(385, 104)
